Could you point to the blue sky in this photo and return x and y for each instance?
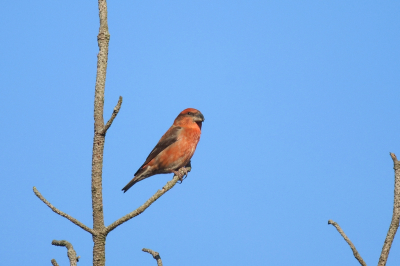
(301, 106)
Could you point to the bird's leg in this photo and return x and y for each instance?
(185, 172)
(179, 174)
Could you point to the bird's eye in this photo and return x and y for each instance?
(189, 113)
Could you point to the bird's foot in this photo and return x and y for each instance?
(185, 173)
(181, 174)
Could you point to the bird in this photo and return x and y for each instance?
(175, 148)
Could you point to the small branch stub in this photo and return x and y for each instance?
(54, 262)
(114, 114)
(73, 259)
(155, 255)
(353, 248)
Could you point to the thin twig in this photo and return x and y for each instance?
(353, 248)
(155, 255)
(63, 214)
(114, 114)
(54, 262)
(394, 224)
(170, 184)
(73, 259)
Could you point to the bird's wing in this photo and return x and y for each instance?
(170, 137)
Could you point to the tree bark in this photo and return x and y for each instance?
(73, 259)
(155, 255)
(394, 224)
(103, 39)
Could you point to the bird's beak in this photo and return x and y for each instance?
(199, 117)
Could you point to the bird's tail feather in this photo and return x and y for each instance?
(134, 181)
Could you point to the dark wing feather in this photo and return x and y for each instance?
(170, 137)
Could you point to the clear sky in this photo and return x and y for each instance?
(301, 101)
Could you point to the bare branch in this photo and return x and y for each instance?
(353, 248)
(396, 214)
(63, 214)
(54, 262)
(114, 114)
(103, 39)
(170, 184)
(73, 259)
(155, 255)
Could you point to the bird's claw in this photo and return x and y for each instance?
(182, 173)
(185, 173)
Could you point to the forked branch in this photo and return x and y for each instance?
(155, 255)
(63, 214)
(396, 214)
(114, 114)
(394, 225)
(353, 248)
(73, 259)
(170, 184)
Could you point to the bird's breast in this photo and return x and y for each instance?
(179, 153)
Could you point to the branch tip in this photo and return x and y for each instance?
(155, 255)
(394, 224)
(114, 114)
(63, 214)
(73, 259)
(353, 248)
(394, 158)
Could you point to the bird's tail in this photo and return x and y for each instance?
(136, 179)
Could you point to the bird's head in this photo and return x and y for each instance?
(189, 117)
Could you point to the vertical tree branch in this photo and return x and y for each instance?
(396, 214)
(353, 248)
(155, 254)
(73, 259)
(99, 139)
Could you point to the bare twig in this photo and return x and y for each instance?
(54, 262)
(114, 114)
(73, 259)
(396, 214)
(63, 214)
(353, 248)
(155, 254)
(170, 184)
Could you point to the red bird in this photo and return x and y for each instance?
(175, 148)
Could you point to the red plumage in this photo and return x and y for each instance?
(175, 148)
